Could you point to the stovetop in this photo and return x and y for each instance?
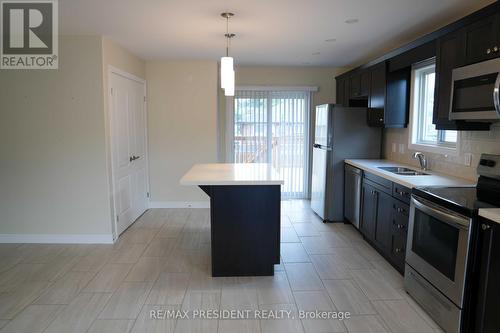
(463, 200)
(468, 200)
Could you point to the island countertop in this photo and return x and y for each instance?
(232, 174)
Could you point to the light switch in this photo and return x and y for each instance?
(394, 147)
(401, 148)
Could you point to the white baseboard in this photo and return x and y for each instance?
(179, 204)
(57, 239)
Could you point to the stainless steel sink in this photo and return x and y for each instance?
(403, 171)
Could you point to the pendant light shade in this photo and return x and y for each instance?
(229, 89)
(226, 67)
(227, 62)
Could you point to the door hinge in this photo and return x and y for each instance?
(117, 218)
(144, 98)
(111, 91)
(147, 194)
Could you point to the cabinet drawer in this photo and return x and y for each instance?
(400, 216)
(402, 193)
(381, 183)
(398, 250)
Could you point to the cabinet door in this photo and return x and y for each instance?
(346, 92)
(383, 223)
(340, 91)
(397, 98)
(376, 103)
(481, 38)
(364, 89)
(369, 211)
(355, 86)
(398, 249)
(488, 288)
(450, 54)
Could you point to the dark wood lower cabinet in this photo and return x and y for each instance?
(384, 218)
(368, 211)
(383, 226)
(486, 285)
(245, 241)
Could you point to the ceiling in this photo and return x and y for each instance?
(268, 32)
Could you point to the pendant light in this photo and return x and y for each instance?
(227, 62)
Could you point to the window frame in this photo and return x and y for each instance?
(415, 129)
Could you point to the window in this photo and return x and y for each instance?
(272, 126)
(424, 135)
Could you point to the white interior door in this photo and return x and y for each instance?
(128, 146)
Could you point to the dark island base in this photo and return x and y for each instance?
(245, 228)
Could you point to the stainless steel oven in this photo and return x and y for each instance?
(436, 257)
(475, 92)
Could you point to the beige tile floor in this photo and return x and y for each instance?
(163, 263)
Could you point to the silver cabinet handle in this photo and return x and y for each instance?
(488, 51)
(485, 226)
(495, 49)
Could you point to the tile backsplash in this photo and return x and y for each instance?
(471, 142)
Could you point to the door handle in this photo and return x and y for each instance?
(133, 158)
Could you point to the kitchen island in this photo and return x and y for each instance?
(244, 216)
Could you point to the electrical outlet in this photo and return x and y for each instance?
(401, 148)
(394, 148)
(468, 159)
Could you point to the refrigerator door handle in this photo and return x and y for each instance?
(316, 145)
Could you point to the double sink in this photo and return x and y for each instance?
(403, 171)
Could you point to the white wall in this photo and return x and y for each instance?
(53, 160)
(182, 129)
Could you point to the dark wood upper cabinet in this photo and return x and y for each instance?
(359, 85)
(355, 85)
(347, 92)
(451, 53)
(376, 101)
(340, 91)
(397, 98)
(364, 88)
(482, 40)
(343, 91)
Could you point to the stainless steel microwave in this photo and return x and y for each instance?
(475, 92)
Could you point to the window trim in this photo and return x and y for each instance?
(414, 118)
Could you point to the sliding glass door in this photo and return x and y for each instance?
(273, 127)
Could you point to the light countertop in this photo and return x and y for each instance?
(492, 214)
(232, 174)
(433, 179)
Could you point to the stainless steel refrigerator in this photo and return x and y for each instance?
(340, 133)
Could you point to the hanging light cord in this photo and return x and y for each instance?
(227, 36)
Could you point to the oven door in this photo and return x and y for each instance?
(438, 242)
(474, 93)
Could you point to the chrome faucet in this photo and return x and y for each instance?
(421, 159)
